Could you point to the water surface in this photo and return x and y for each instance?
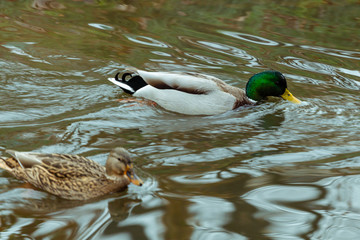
(273, 171)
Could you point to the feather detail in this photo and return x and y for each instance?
(25, 159)
(123, 86)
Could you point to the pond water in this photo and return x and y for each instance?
(272, 171)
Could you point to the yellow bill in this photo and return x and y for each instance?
(288, 96)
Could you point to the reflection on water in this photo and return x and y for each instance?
(271, 171)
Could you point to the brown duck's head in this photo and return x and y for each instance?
(119, 164)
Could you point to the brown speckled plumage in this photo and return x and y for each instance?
(71, 176)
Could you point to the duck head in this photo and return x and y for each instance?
(119, 164)
(269, 83)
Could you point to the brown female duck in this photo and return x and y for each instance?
(71, 176)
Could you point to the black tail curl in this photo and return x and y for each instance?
(124, 75)
(134, 81)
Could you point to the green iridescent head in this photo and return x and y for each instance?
(268, 83)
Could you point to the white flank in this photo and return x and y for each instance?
(215, 102)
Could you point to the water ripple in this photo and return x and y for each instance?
(249, 38)
(340, 217)
(19, 49)
(224, 49)
(101, 26)
(274, 204)
(334, 52)
(210, 60)
(148, 41)
(326, 69)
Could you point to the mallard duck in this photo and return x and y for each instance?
(199, 94)
(72, 176)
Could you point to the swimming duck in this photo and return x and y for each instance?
(199, 94)
(72, 176)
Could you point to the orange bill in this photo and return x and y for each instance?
(134, 178)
